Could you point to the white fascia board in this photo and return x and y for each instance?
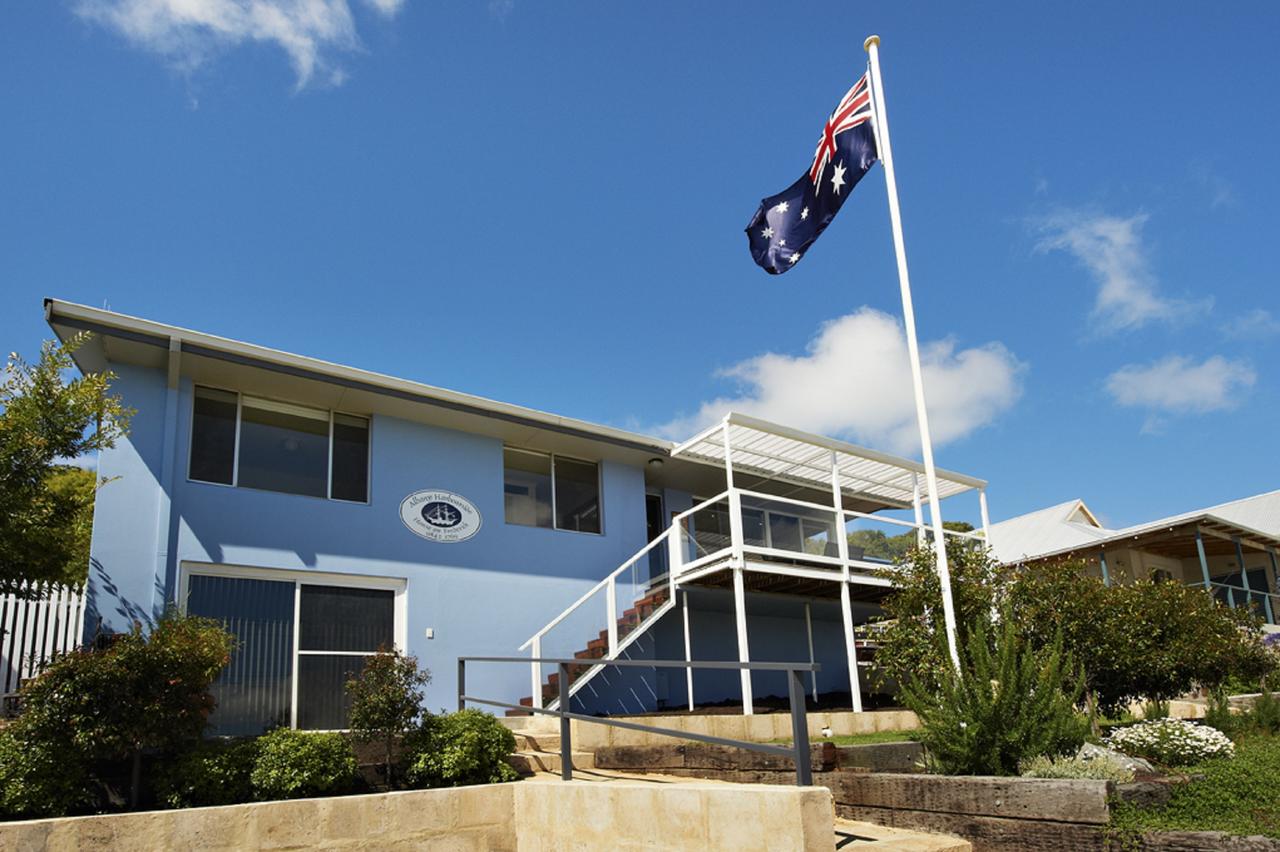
(56, 309)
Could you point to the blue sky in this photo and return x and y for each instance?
(543, 203)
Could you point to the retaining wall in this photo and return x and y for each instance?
(530, 816)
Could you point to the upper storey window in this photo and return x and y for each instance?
(278, 446)
(544, 490)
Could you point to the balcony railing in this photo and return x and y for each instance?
(1266, 604)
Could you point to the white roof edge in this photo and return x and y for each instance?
(842, 447)
(55, 308)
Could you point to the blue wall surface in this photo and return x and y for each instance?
(486, 595)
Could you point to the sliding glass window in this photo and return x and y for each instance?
(542, 490)
(338, 629)
(278, 446)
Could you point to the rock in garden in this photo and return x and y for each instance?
(1089, 751)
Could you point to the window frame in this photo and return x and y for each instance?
(235, 455)
(399, 607)
(555, 526)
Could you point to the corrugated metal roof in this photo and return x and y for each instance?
(779, 452)
(1043, 531)
(1051, 531)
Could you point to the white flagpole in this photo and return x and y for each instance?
(872, 46)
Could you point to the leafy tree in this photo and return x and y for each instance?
(386, 701)
(876, 543)
(1145, 640)
(44, 418)
(913, 636)
(1006, 705)
(144, 691)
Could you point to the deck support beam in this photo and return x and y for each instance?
(744, 652)
(808, 632)
(850, 646)
(688, 648)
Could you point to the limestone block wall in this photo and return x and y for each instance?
(530, 816)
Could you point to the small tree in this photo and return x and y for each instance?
(45, 418)
(1006, 705)
(386, 701)
(144, 691)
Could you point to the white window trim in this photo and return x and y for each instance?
(235, 455)
(300, 578)
(554, 517)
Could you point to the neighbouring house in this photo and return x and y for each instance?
(323, 512)
(1229, 549)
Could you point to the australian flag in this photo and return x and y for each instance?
(787, 223)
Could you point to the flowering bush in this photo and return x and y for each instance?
(1173, 742)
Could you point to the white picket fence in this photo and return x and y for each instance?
(36, 628)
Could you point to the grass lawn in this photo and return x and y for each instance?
(1237, 795)
(863, 739)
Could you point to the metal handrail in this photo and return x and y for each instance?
(594, 589)
(621, 568)
(798, 751)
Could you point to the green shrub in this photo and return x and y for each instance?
(1264, 716)
(467, 747)
(213, 773)
(1218, 714)
(297, 764)
(1155, 709)
(1004, 707)
(40, 778)
(1070, 766)
(386, 701)
(101, 709)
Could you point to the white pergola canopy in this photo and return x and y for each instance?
(780, 453)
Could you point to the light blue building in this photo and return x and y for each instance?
(324, 512)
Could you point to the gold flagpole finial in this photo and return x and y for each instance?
(872, 39)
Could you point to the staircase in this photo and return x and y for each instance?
(628, 627)
(620, 632)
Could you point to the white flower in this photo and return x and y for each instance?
(1171, 741)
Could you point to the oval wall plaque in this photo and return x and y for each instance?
(440, 516)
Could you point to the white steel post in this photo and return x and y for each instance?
(535, 651)
(846, 608)
(986, 519)
(915, 507)
(744, 653)
(881, 119)
(611, 603)
(851, 650)
(688, 648)
(808, 631)
(735, 501)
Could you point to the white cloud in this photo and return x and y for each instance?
(188, 33)
(1255, 325)
(854, 382)
(1178, 385)
(1111, 248)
